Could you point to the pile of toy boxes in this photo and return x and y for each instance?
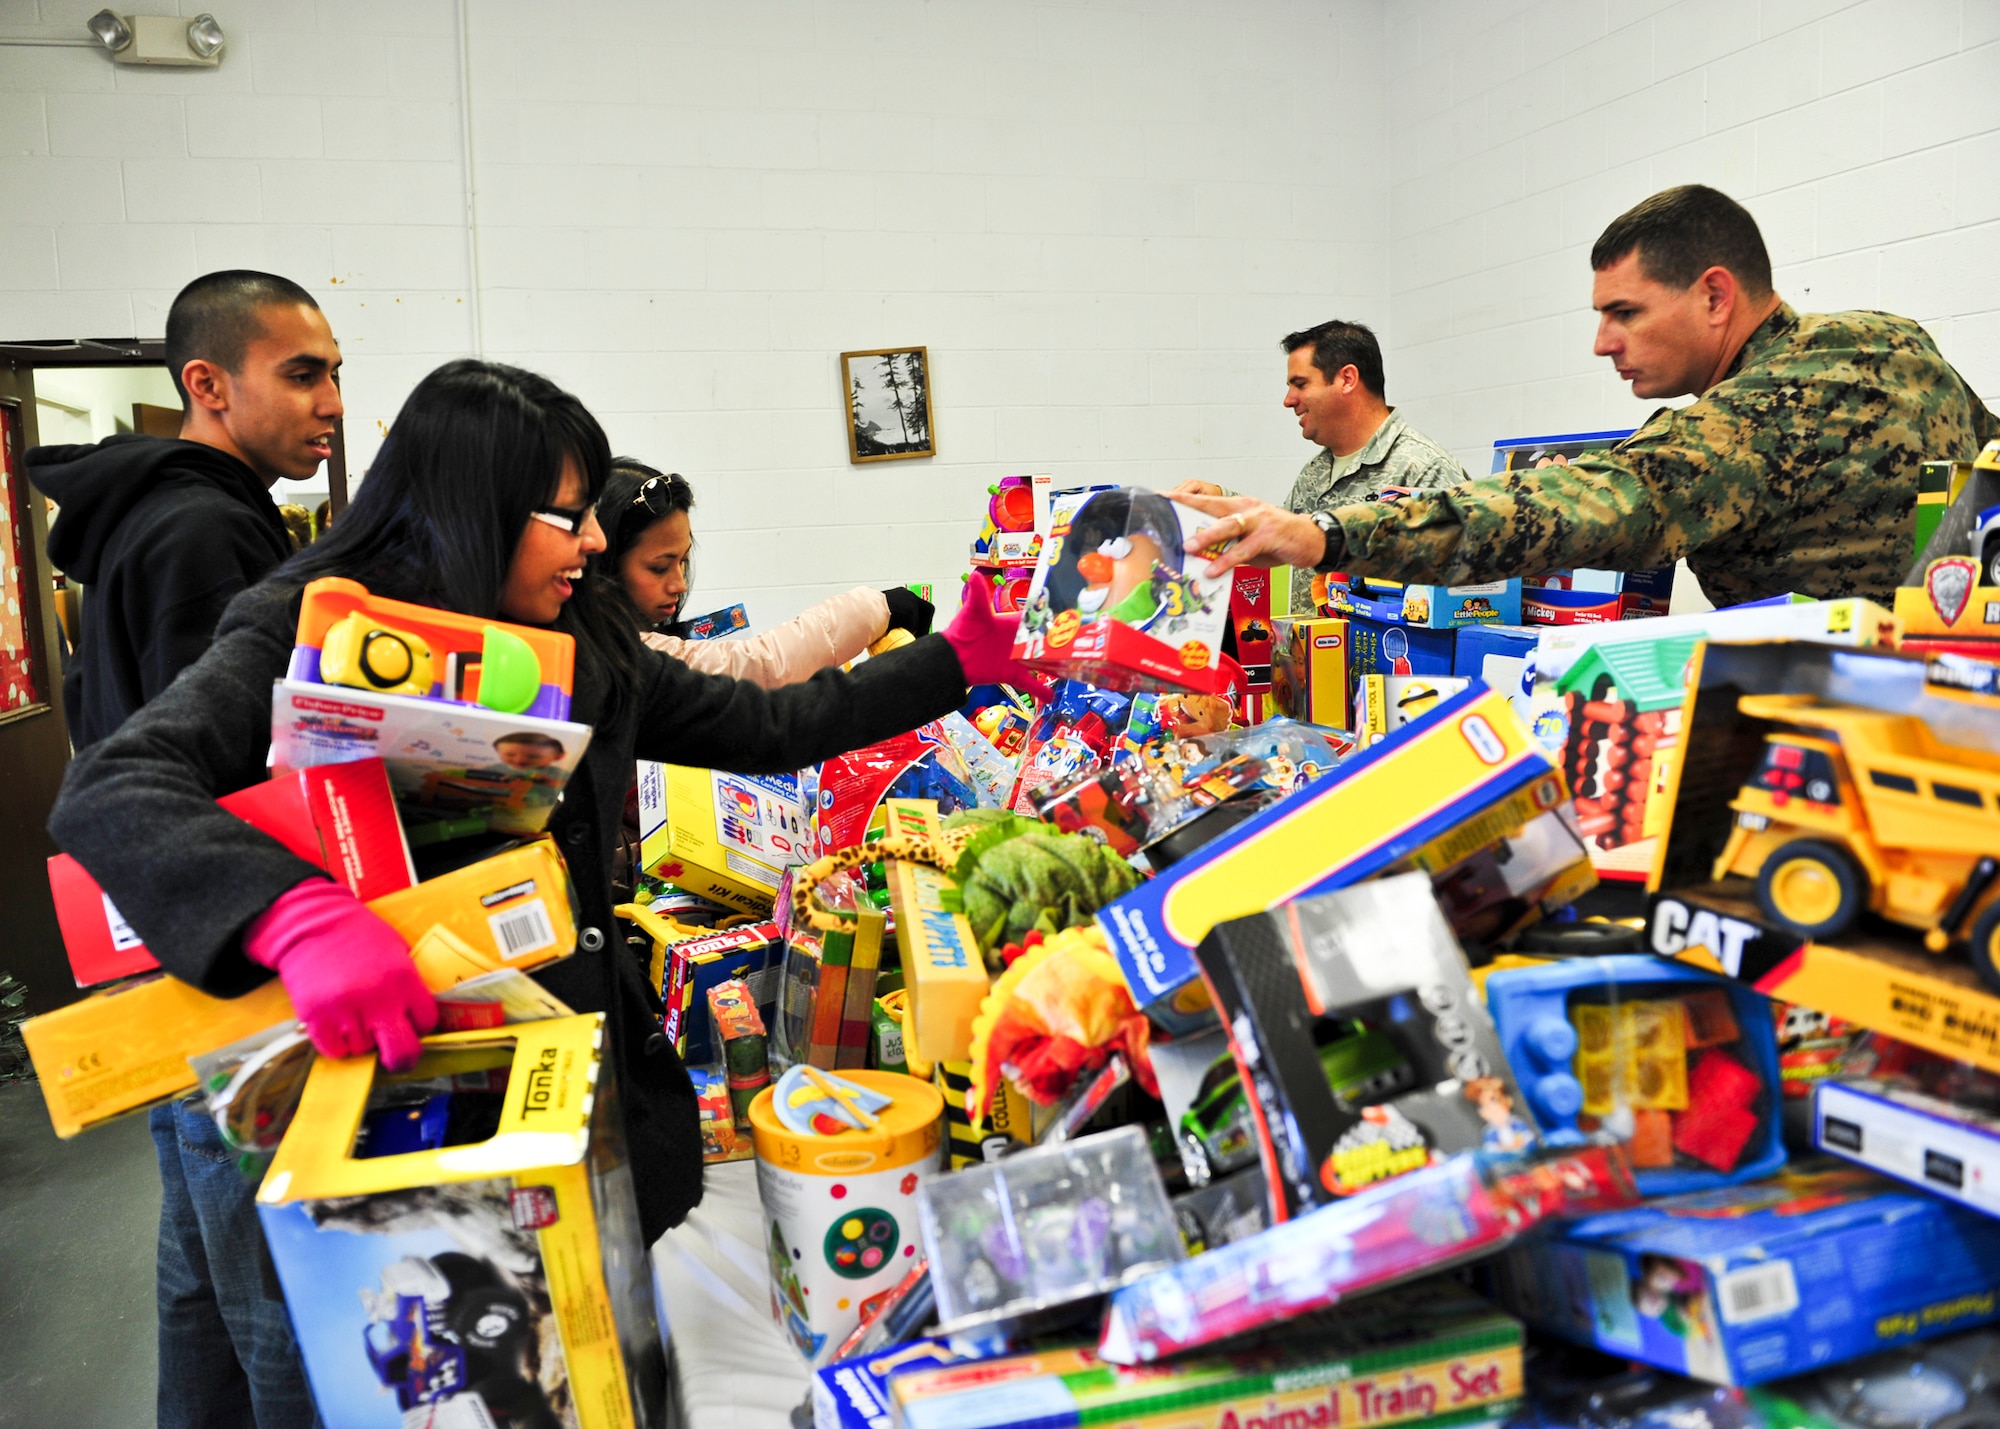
(1276, 1077)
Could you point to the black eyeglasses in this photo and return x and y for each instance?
(656, 494)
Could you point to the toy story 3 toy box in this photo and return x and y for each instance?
(459, 1244)
(1119, 601)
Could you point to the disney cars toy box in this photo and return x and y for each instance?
(1119, 601)
(459, 1244)
(1750, 1283)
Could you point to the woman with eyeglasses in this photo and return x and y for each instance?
(647, 558)
(482, 500)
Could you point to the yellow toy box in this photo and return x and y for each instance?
(1309, 676)
(459, 1243)
(1953, 590)
(127, 1046)
(727, 837)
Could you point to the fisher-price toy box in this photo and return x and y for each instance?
(727, 837)
(1750, 1283)
(1433, 607)
(1468, 771)
(459, 1244)
(127, 1046)
(1119, 601)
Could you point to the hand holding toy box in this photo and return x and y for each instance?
(1119, 601)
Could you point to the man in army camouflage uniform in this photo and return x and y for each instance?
(1333, 381)
(1795, 470)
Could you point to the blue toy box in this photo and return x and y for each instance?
(1467, 762)
(1820, 1264)
(854, 1393)
(1534, 1010)
(1435, 607)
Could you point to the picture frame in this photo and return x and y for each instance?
(886, 394)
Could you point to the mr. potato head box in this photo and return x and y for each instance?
(1117, 599)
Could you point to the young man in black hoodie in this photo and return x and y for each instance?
(162, 535)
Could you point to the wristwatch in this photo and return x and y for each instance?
(1336, 539)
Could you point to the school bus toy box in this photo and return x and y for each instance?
(459, 1244)
(1750, 1283)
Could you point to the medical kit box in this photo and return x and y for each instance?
(1398, 1230)
(1118, 600)
(459, 1243)
(1309, 673)
(725, 837)
(340, 816)
(1433, 606)
(1375, 963)
(1947, 1148)
(1430, 1353)
(127, 1046)
(1750, 1283)
(1468, 774)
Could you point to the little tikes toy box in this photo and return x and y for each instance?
(1820, 1264)
(459, 1244)
(1309, 678)
(1119, 601)
(1468, 773)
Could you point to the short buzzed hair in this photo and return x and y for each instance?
(1337, 344)
(215, 318)
(1680, 233)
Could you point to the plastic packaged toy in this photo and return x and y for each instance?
(737, 1032)
(1680, 1065)
(1119, 602)
(1394, 1231)
(1031, 1241)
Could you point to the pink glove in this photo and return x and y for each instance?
(349, 973)
(984, 640)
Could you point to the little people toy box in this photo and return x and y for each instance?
(1820, 1264)
(840, 1194)
(1119, 601)
(459, 1244)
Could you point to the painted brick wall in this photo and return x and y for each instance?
(1865, 137)
(1099, 218)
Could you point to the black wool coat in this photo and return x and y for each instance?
(137, 811)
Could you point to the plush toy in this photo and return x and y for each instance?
(1059, 1011)
(1018, 875)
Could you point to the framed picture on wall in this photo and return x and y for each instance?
(20, 686)
(888, 400)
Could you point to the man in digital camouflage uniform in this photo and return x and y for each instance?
(1334, 382)
(1795, 470)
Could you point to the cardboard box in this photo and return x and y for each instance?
(685, 967)
(943, 972)
(126, 1046)
(1547, 605)
(1821, 1264)
(507, 1270)
(1118, 601)
(726, 837)
(1389, 702)
(1902, 1131)
(1378, 808)
(339, 816)
(1951, 590)
(1432, 606)
(854, 1393)
(1938, 486)
(1376, 647)
(1429, 1352)
(1309, 679)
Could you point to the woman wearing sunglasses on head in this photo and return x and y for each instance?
(648, 551)
(482, 500)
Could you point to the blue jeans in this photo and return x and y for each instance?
(227, 1355)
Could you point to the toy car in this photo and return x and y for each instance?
(448, 1334)
(1361, 1065)
(1986, 544)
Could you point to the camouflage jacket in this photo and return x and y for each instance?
(1797, 472)
(1397, 455)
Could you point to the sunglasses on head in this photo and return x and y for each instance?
(656, 494)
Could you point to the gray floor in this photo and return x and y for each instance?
(77, 1226)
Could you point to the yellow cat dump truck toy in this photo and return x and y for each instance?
(1856, 811)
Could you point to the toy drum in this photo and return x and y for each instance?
(842, 1206)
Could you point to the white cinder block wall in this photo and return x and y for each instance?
(1098, 217)
(1865, 137)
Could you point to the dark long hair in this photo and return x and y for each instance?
(625, 519)
(476, 448)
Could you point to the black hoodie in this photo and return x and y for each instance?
(162, 535)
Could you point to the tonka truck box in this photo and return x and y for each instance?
(127, 1045)
(1749, 1283)
(727, 837)
(1119, 601)
(459, 1244)
(1469, 773)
